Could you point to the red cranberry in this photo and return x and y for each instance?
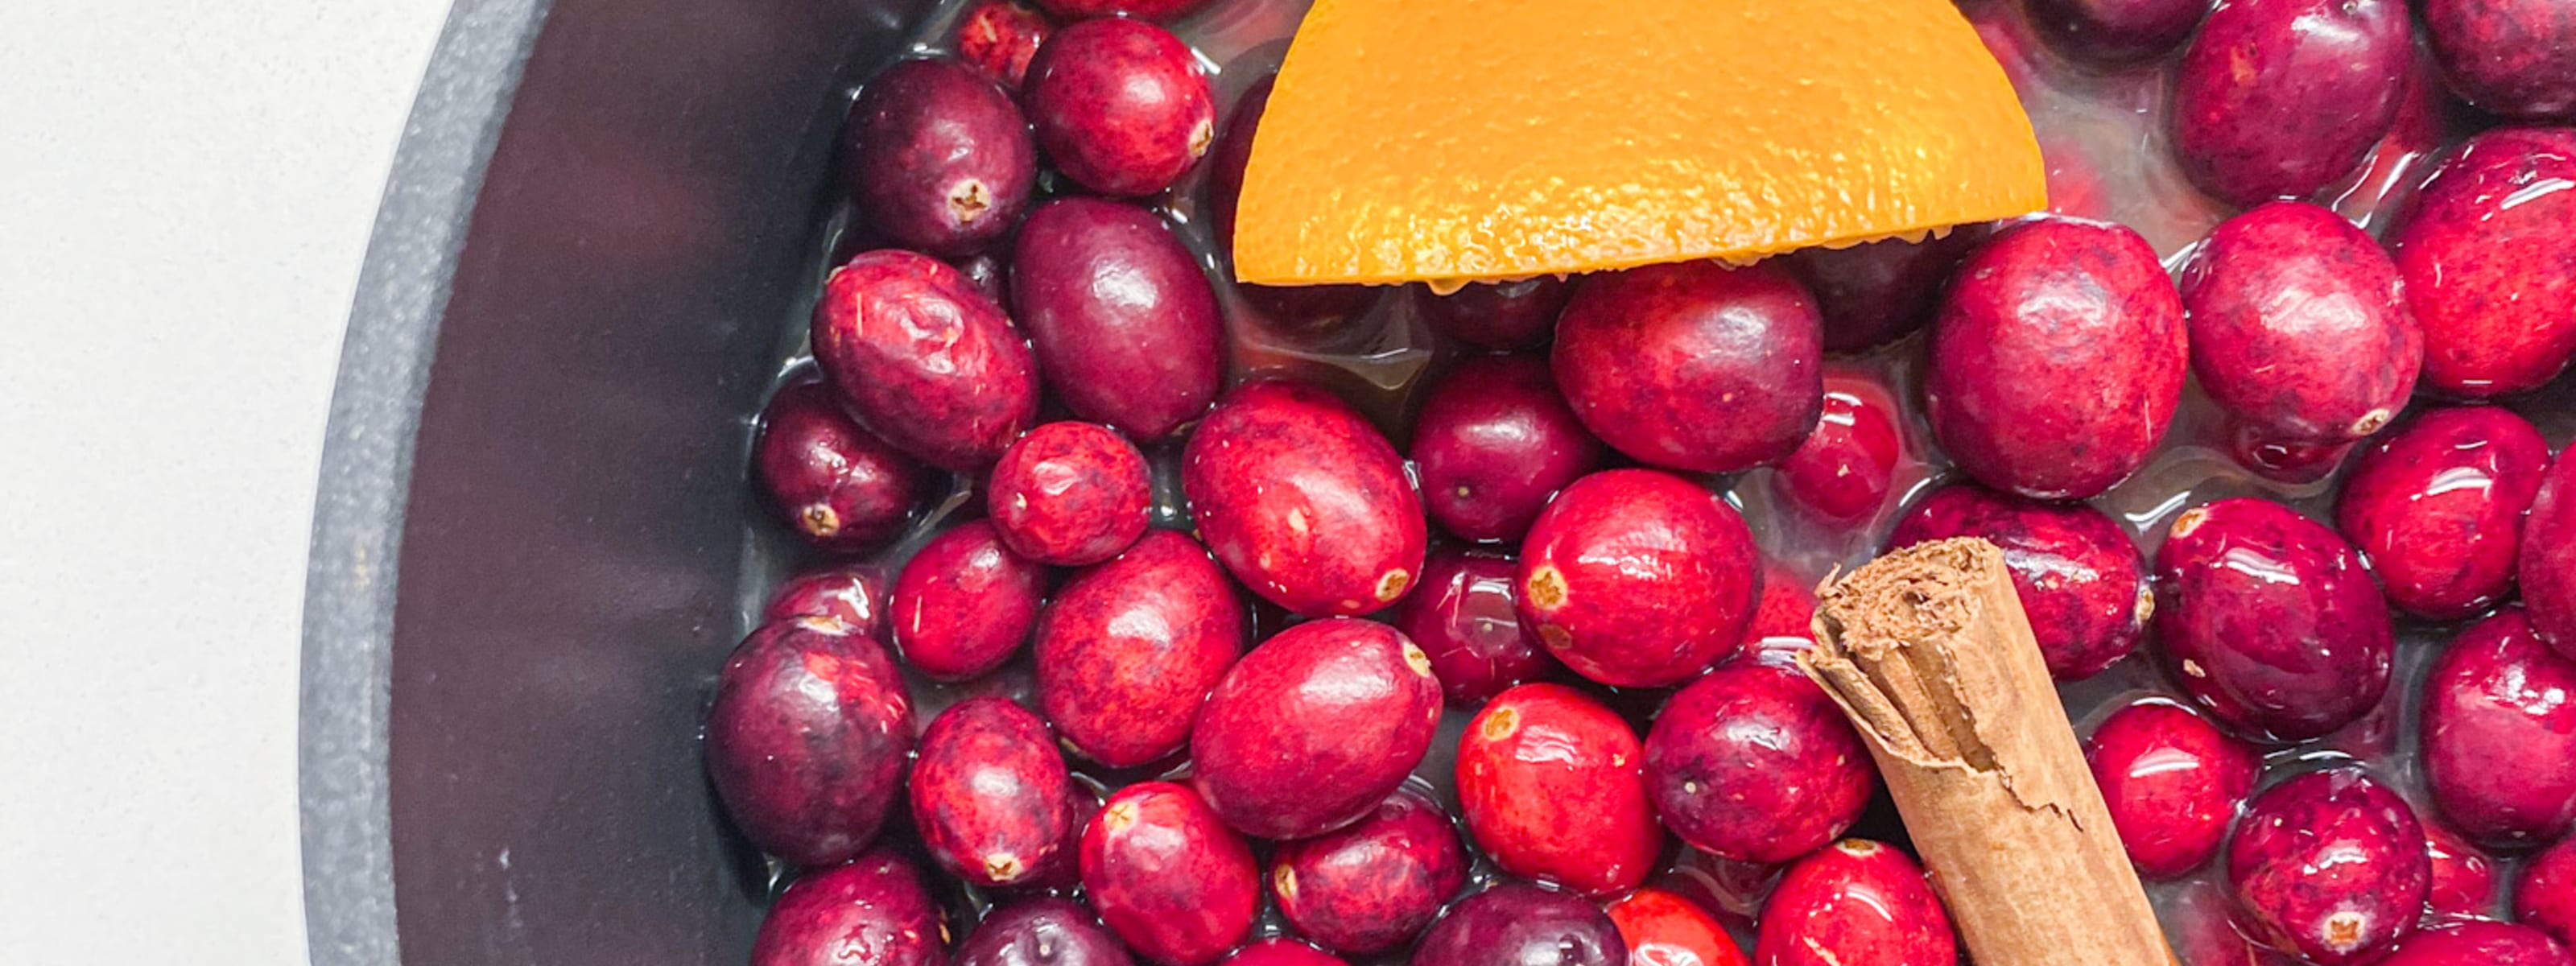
(1168, 877)
(2544, 895)
(1129, 648)
(2173, 783)
(964, 603)
(999, 36)
(1636, 578)
(1304, 501)
(2516, 58)
(1373, 886)
(1663, 929)
(2284, 460)
(2271, 620)
(2297, 328)
(2046, 305)
(2464, 879)
(1281, 951)
(1296, 308)
(937, 157)
(1120, 105)
(1494, 441)
(990, 793)
(1124, 321)
(837, 485)
(2490, 269)
(1501, 316)
(2278, 98)
(2437, 507)
(853, 594)
(807, 738)
(1752, 761)
(1043, 931)
(1314, 728)
(1463, 619)
(1875, 293)
(1784, 621)
(1070, 494)
(922, 360)
(2116, 31)
(1854, 903)
(1147, 9)
(870, 912)
(2330, 866)
(2078, 575)
(1550, 784)
(2500, 734)
(1843, 472)
(1519, 925)
(1693, 365)
(2547, 559)
(2478, 944)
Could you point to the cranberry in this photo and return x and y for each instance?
(1372, 886)
(1314, 728)
(1694, 365)
(853, 594)
(2329, 865)
(1125, 323)
(2286, 461)
(2464, 879)
(1070, 494)
(2046, 305)
(999, 36)
(1663, 929)
(2271, 620)
(1501, 316)
(1494, 441)
(2117, 31)
(837, 485)
(1044, 931)
(990, 793)
(1301, 309)
(1129, 648)
(2547, 558)
(1464, 620)
(2278, 98)
(2489, 269)
(2478, 944)
(1550, 785)
(1519, 925)
(937, 157)
(2078, 575)
(870, 912)
(1148, 9)
(964, 603)
(2516, 58)
(1281, 951)
(923, 361)
(1120, 105)
(1877, 292)
(1636, 578)
(2437, 507)
(2172, 782)
(1843, 472)
(2544, 896)
(2500, 734)
(1854, 903)
(1753, 761)
(1783, 621)
(1304, 501)
(1167, 876)
(807, 738)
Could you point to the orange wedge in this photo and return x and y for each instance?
(1450, 140)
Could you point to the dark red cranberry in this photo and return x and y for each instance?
(2478, 944)
(990, 793)
(1314, 728)
(2544, 894)
(1124, 321)
(1494, 441)
(2287, 461)
(924, 361)
(2516, 58)
(999, 36)
(2297, 328)
(1304, 501)
(1120, 105)
(1372, 886)
(835, 484)
(1281, 951)
(1148, 9)
(964, 604)
(2464, 879)
(1875, 293)
(870, 912)
(2078, 575)
(1519, 925)
(854, 594)
(2500, 734)
(2116, 31)
(1168, 876)
(1301, 309)
(2270, 619)
(937, 157)
(2173, 783)
(1463, 619)
(1853, 903)
(1693, 365)
(2329, 866)
(807, 738)
(1070, 494)
(2546, 563)
(1128, 649)
(1753, 761)
(1501, 316)
(1636, 578)
(1664, 929)
(2049, 304)
(2489, 269)
(2436, 507)
(1843, 473)
(1043, 931)
(2278, 98)
(1550, 784)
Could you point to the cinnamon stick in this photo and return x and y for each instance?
(1928, 651)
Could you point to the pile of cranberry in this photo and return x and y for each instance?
(1130, 621)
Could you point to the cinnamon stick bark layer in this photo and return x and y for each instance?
(1928, 651)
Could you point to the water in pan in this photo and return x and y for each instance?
(2104, 133)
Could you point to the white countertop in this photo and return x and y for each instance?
(186, 190)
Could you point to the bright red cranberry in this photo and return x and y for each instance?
(2516, 58)
(2547, 559)
(2489, 269)
(807, 739)
(1854, 903)
(924, 361)
(854, 594)
(1753, 761)
(1160, 10)
(2330, 866)
(1783, 621)
(2271, 621)
(1167, 876)
(2478, 944)
(1636, 578)
(1464, 620)
(2046, 305)
(1518, 925)
(2437, 507)
(1501, 316)
(1693, 365)
(2500, 734)
(1314, 728)
(1070, 494)
(2278, 98)
(1124, 321)
(1845, 469)
(990, 793)
(999, 36)
(1128, 650)
(964, 604)
(1374, 885)
(2173, 783)
(1664, 929)
(1119, 105)
(870, 912)
(1875, 293)
(835, 484)
(1043, 931)
(1297, 309)
(2464, 878)
(1550, 784)
(1304, 501)
(1494, 441)
(937, 157)
(2079, 576)
(2116, 31)
(2544, 895)
(1281, 951)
